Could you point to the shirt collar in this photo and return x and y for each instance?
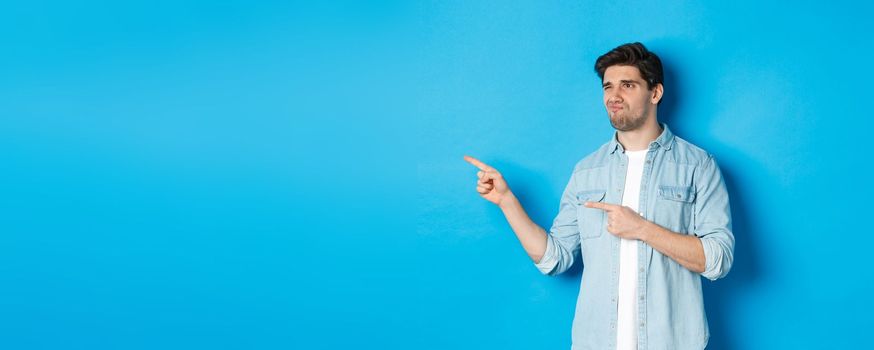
(665, 140)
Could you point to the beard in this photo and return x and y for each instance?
(624, 122)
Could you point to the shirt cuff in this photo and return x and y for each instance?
(548, 261)
(712, 259)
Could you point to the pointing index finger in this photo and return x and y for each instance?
(482, 166)
(603, 206)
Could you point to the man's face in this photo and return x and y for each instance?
(629, 103)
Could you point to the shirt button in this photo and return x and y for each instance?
(641, 325)
(647, 162)
(641, 297)
(641, 269)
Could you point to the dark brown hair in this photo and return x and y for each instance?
(636, 55)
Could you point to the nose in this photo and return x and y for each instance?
(614, 97)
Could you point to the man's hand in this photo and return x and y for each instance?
(491, 184)
(621, 220)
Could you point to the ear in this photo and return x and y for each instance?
(657, 92)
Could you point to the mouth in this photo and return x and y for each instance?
(615, 108)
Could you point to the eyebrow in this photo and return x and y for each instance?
(621, 82)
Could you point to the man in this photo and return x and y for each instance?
(649, 213)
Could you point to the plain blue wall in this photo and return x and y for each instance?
(290, 175)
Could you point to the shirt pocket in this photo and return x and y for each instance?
(674, 207)
(590, 220)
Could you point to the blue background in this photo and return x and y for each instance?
(282, 175)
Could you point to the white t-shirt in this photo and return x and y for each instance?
(626, 325)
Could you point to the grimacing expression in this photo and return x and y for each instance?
(628, 100)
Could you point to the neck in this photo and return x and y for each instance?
(640, 138)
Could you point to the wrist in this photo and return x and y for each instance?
(507, 200)
(648, 230)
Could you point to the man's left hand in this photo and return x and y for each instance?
(621, 220)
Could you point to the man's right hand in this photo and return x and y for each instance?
(491, 184)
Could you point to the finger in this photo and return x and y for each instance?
(485, 185)
(477, 163)
(603, 206)
(480, 174)
(481, 190)
(611, 222)
(490, 175)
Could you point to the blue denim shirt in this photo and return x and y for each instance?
(682, 189)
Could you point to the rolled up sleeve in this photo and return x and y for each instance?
(713, 221)
(563, 239)
(549, 260)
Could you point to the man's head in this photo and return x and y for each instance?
(632, 80)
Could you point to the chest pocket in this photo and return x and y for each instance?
(590, 220)
(675, 207)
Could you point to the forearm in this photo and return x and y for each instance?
(532, 236)
(686, 250)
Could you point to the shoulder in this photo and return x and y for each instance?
(598, 158)
(685, 152)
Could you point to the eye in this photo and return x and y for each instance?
(627, 85)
